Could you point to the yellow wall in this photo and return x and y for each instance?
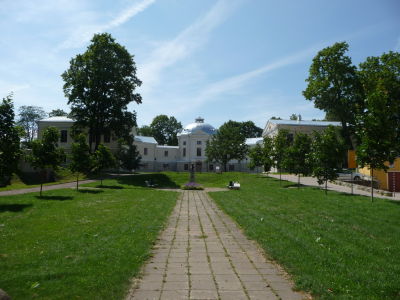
(381, 175)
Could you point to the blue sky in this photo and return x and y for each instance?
(219, 59)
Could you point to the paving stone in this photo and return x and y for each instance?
(175, 295)
(145, 295)
(262, 295)
(176, 285)
(203, 294)
(229, 295)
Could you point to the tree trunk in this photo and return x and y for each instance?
(372, 185)
(298, 181)
(101, 180)
(280, 177)
(77, 181)
(326, 187)
(41, 188)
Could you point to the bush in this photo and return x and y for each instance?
(192, 186)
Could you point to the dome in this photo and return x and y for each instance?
(198, 125)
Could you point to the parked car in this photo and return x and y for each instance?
(348, 174)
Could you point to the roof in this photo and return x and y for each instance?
(57, 119)
(145, 139)
(307, 123)
(254, 141)
(197, 126)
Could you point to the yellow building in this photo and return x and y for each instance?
(389, 180)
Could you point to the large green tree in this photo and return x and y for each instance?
(378, 126)
(326, 155)
(297, 159)
(228, 143)
(27, 119)
(9, 141)
(81, 159)
(99, 84)
(334, 87)
(128, 155)
(58, 113)
(261, 155)
(165, 130)
(45, 153)
(145, 130)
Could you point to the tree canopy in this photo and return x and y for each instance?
(58, 113)
(228, 143)
(261, 155)
(281, 143)
(81, 160)
(28, 117)
(128, 155)
(99, 84)
(145, 130)
(9, 141)
(103, 159)
(334, 87)
(165, 129)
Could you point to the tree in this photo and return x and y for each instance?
(326, 155)
(81, 160)
(28, 117)
(99, 84)
(145, 131)
(103, 159)
(228, 143)
(250, 130)
(9, 141)
(378, 126)
(129, 156)
(297, 160)
(58, 113)
(165, 130)
(276, 118)
(46, 154)
(334, 87)
(261, 156)
(281, 143)
(293, 117)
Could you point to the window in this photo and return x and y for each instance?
(107, 137)
(231, 167)
(166, 153)
(63, 137)
(184, 143)
(186, 167)
(145, 151)
(184, 152)
(211, 167)
(198, 151)
(198, 142)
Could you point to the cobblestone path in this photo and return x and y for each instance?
(203, 254)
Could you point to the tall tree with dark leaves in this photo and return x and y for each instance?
(228, 143)
(128, 155)
(28, 117)
(103, 160)
(378, 126)
(261, 155)
(9, 141)
(165, 130)
(100, 84)
(281, 143)
(334, 87)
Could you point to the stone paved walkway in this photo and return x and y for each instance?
(203, 254)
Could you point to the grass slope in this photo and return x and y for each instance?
(85, 244)
(337, 246)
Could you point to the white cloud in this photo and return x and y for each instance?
(84, 33)
(185, 43)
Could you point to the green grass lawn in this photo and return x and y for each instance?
(29, 180)
(337, 246)
(174, 179)
(78, 245)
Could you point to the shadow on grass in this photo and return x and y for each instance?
(13, 207)
(58, 198)
(113, 187)
(294, 185)
(162, 180)
(90, 191)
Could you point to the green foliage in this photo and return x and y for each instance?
(58, 113)
(276, 118)
(81, 160)
(327, 153)
(228, 143)
(103, 159)
(99, 84)
(378, 126)
(129, 156)
(45, 152)
(281, 143)
(297, 159)
(165, 129)
(10, 151)
(261, 155)
(28, 117)
(334, 87)
(293, 117)
(145, 131)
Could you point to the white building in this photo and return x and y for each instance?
(191, 149)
